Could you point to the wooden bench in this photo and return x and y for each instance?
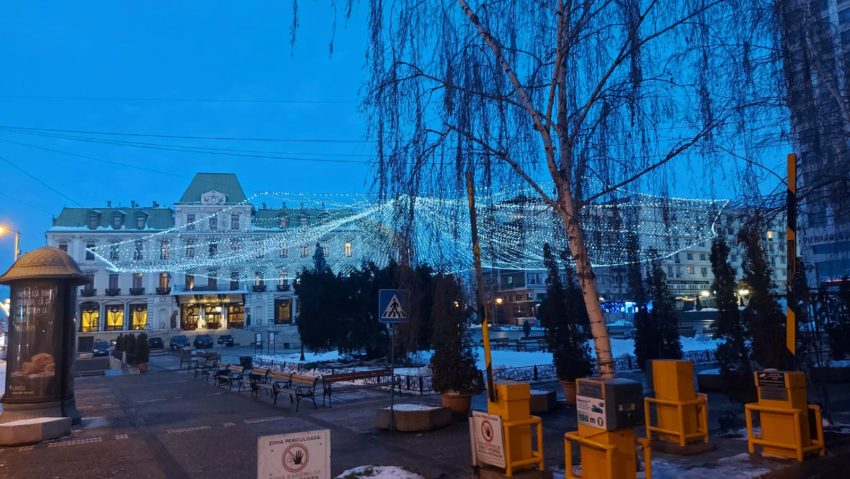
(260, 380)
(231, 375)
(329, 380)
(302, 387)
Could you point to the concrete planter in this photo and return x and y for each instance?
(711, 382)
(458, 403)
(542, 401)
(570, 390)
(413, 418)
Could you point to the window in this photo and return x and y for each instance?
(63, 247)
(213, 223)
(770, 235)
(282, 310)
(138, 253)
(690, 270)
(284, 252)
(260, 248)
(702, 256)
(89, 317)
(137, 280)
(235, 316)
(305, 250)
(234, 245)
(676, 258)
(703, 271)
(258, 279)
(190, 282)
(113, 252)
(90, 279)
(163, 280)
(140, 222)
(93, 221)
(190, 248)
(690, 256)
(113, 281)
(282, 281)
(89, 252)
(213, 249)
(190, 221)
(212, 281)
(234, 222)
(164, 250)
(669, 271)
(303, 220)
(116, 221)
(234, 280)
(282, 221)
(114, 317)
(138, 316)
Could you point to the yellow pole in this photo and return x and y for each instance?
(791, 260)
(479, 279)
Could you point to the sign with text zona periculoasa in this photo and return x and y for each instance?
(393, 305)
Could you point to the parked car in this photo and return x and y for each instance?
(178, 342)
(155, 343)
(100, 348)
(226, 339)
(203, 341)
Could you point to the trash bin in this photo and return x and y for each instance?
(246, 362)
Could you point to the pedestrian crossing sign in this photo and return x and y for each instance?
(393, 305)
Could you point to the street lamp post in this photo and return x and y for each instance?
(4, 229)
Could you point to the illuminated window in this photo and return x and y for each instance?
(770, 235)
(282, 310)
(690, 270)
(190, 281)
(348, 248)
(163, 280)
(89, 317)
(139, 316)
(114, 318)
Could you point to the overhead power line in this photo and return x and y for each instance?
(38, 180)
(178, 100)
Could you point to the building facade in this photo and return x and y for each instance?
(205, 265)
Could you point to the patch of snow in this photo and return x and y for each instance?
(840, 363)
(709, 372)
(536, 392)
(413, 407)
(379, 472)
(732, 467)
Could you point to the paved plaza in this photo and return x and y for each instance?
(168, 424)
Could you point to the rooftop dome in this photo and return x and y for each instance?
(44, 263)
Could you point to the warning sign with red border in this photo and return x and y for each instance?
(301, 455)
(486, 431)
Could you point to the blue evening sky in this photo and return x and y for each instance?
(193, 68)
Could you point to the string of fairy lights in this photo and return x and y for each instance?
(352, 230)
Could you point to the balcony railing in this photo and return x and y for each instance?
(259, 288)
(137, 291)
(283, 287)
(165, 290)
(88, 292)
(113, 291)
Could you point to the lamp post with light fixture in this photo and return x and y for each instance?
(4, 230)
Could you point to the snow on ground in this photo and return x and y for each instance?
(732, 467)
(413, 407)
(501, 358)
(379, 472)
(840, 363)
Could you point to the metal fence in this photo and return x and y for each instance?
(421, 384)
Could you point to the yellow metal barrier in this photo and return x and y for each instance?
(536, 456)
(681, 433)
(796, 444)
(608, 450)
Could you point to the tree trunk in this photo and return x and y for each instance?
(587, 280)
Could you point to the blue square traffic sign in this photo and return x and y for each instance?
(393, 305)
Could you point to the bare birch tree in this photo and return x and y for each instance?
(574, 99)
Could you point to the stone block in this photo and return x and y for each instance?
(542, 401)
(414, 417)
(33, 430)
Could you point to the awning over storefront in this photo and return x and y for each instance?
(187, 297)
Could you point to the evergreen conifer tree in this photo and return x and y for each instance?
(453, 362)
(663, 315)
(762, 315)
(733, 355)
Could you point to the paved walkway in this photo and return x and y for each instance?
(167, 424)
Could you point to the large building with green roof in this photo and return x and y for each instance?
(207, 264)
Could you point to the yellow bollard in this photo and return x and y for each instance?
(513, 406)
(608, 410)
(681, 414)
(783, 413)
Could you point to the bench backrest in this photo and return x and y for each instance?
(261, 371)
(355, 375)
(236, 369)
(280, 376)
(305, 380)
